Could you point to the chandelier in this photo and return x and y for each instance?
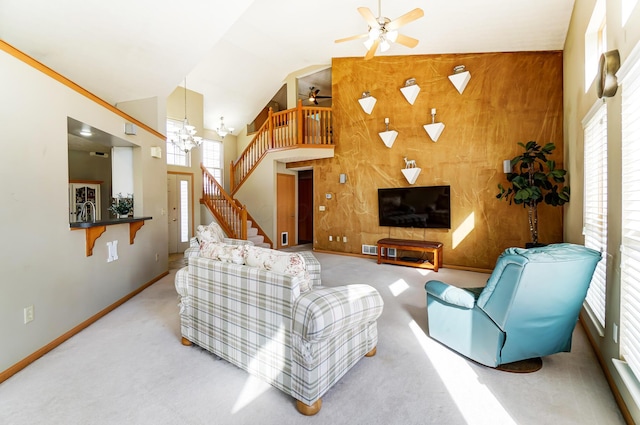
(184, 136)
(222, 130)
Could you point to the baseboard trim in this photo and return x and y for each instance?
(624, 410)
(6, 374)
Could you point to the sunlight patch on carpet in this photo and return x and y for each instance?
(475, 401)
(398, 287)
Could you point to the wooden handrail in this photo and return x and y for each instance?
(301, 126)
(230, 214)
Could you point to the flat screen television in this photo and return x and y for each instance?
(423, 207)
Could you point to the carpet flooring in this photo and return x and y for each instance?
(130, 368)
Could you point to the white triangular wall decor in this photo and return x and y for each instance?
(460, 80)
(388, 137)
(410, 92)
(411, 174)
(434, 130)
(367, 103)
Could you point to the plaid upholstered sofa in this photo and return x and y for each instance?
(277, 323)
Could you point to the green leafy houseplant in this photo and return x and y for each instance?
(121, 205)
(535, 180)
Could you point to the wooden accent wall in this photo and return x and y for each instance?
(512, 97)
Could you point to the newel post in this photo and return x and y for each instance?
(243, 221)
(300, 122)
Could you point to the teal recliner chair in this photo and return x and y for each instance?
(528, 308)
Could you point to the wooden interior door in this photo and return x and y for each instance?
(286, 210)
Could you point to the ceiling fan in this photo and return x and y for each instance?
(313, 95)
(383, 31)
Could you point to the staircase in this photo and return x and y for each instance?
(299, 128)
(255, 237)
(232, 216)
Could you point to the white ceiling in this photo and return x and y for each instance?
(238, 53)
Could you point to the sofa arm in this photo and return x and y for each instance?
(312, 265)
(450, 294)
(324, 312)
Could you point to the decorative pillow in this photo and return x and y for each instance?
(290, 264)
(222, 252)
(210, 233)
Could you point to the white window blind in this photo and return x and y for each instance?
(595, 204)
(629, 78)
(212, 158)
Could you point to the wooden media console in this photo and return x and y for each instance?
(423, 247)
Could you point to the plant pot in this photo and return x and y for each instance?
(534, 245)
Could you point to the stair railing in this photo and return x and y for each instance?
(302, 126)
(230, 214)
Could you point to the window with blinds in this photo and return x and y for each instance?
(629, 79)
(595, 204)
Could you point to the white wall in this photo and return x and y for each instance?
(44, 262)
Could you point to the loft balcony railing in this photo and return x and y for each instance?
(304, 126)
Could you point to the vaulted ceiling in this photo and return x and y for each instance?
(238, 53)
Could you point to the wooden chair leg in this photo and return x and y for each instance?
(186, 342)
(372, 352)
(307, 410)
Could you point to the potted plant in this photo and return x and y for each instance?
(121, 206)
(535, 179)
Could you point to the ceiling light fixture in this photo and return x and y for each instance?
(222, 130)
(184, 138)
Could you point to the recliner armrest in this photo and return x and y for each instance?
(324, 312)
(450, 294)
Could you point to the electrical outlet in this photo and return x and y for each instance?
(28, 314)
(157, 256)
(330, 238)
(344, 239)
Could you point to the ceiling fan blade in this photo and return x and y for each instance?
(406, 41)
(404, 19)
(368, 16)
(372, 50)
(355, 37)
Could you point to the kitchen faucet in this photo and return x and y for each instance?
(83, 211)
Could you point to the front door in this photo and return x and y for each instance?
(180, 205)
(286, 187)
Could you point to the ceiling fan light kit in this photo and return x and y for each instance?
(383, 31)
(460, 78)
